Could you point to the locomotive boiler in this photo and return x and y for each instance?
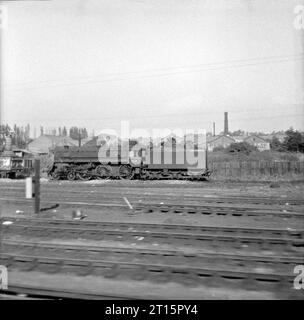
(124, 160)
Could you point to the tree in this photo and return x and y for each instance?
(76, 133)
(4, 131)
(277, 145)
(64, 132)
(238, 133)
(83, 133)
(294, 141)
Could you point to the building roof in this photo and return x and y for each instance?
(256, 137)
(220, 137)
(45, 142)
(90, 143)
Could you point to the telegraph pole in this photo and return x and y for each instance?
(2, 21)
(1, 33)
(79, 138)
(37, 186)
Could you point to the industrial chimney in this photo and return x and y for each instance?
(226, 123)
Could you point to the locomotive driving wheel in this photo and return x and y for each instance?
(104, 172)
(71, 176)
(126, 172)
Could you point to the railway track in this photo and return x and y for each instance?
(280, 282)
(208, 210)
(194, 276)
(195, 236)
(200, 257)
(153, 194)
(247, 258)
(262, 259)
(155, 227)
(32, 292)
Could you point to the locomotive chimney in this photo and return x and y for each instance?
(226, 123)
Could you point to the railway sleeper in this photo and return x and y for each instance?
(49, 265)
(24, 263)
(81, 268)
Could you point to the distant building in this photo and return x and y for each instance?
(258, 142)
(46, 142)
(269, 137)
(219, 141)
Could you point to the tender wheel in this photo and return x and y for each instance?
(71, 176)
(104, 172)
(126, 172)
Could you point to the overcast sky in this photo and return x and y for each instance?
(157, 63)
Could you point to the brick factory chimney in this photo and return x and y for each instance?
(214, 129)
(226, 123)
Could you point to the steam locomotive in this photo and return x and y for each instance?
(127, 161)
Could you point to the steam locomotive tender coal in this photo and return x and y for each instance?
(121, 162)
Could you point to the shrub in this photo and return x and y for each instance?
(241, 147)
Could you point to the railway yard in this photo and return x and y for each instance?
(153, 240)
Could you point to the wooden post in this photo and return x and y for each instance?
(79, 138)
(37, 186)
